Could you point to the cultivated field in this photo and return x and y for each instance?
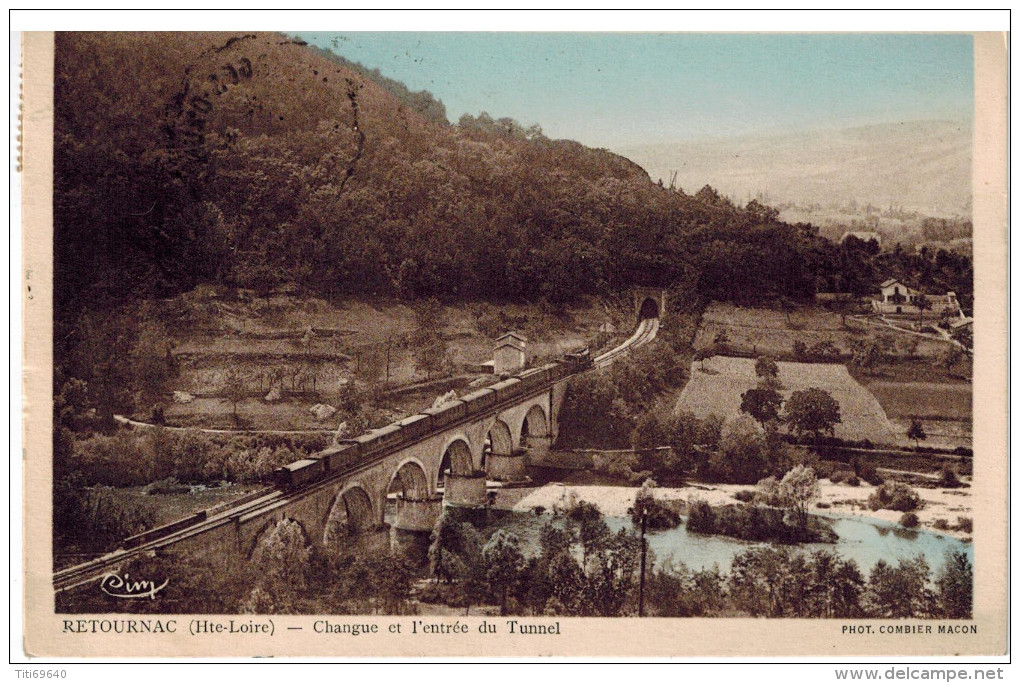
(912, 384)
(944, 409)
(716, 387)
(314, 349)
(926, 400)
(763, 331)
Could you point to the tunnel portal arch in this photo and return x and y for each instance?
(649, 309)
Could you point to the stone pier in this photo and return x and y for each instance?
(412, 528)
(507, 467)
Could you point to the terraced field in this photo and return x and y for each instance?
(716, 385)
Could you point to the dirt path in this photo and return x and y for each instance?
(283, 432)
(962, 387)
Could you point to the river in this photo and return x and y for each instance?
(861, 539)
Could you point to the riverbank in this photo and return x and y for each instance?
(841, 499)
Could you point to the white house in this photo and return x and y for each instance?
(898, 299)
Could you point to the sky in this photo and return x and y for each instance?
(614, 90)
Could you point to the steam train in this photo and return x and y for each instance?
(349, 452)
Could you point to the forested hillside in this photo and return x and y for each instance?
(253, 160)
(250, 160)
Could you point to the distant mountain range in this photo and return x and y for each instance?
(920, 166)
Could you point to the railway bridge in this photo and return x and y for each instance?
(442, 457)
(448, 465)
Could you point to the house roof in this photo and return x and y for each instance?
(515, 335)
(961, 322)
(890, 282)
(514, 340)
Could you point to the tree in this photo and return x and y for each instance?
(764, 582)
(504, 562)
(371, 362)
(866, 355)
(916, 432)
(923, 303)
(701, 355)
(154, 364)
(844, 307)
(741, 456)
(428, 348)
(899, 592)
(234, 387)
(651, 431)
(794, 491)
(800, 350)
(952, 355)
(282, 557)
(765, 366)
(455, 555)
(955, 584)
(762, 404)
(964, 336)
(812, 411)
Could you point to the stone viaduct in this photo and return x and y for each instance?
(442, 457)
(447, 467)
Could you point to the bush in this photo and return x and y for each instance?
(948, 478)
(94, 519)
(745, 496)
(158, 415)
(582, 511)
(823, 505)
(909, 520)
(941, 524)
(701, 519)
(166, 487)
(658, 515)
(965, 524)
(823, 468)
(869, 474)
(845, 477)
(894, 496)
(437, 593)
(754, 523)
(140, 457)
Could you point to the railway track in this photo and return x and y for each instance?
(86, 572)
(644, 333)
(89, 571)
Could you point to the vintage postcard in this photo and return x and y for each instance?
(515, 344)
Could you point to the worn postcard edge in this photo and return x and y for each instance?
(580, 637)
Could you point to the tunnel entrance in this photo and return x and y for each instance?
(649, 309)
